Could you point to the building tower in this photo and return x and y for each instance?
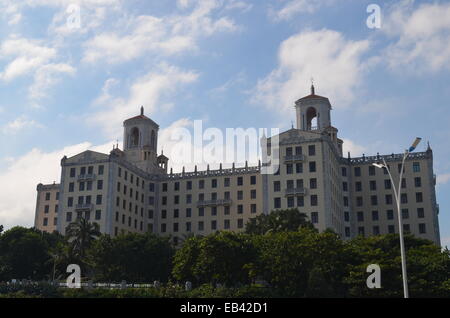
(313, 113)
(140, 142)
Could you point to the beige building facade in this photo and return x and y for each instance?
(131, 190)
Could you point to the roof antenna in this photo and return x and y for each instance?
(142, 110)
(312, 86)
(292, 124)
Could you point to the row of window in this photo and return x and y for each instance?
(388, 199)
(130, 206)
(129, 191)
(291, 184)
(214, 183)
(201, 211)
(85, 200)
(298, 168)
(87, 170)
(298, 201)
(387, 184)
(299, 150)
(47, 209)
(201, 197)
(45, 221)
(85, 186)
(131, 178)
(390, 229)
(201, 226)
(372, 169)
(130, 221)
(87, 215)
(390, 214)
(48, 196)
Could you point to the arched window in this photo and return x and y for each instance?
(311, 119)
(134, 137)
(153, 140)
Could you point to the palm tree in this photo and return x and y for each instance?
(81, 234)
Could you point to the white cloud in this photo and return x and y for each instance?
(20, 124)
(422, 34)
(291, 8)
(21, 176)
(335, 63)
(168, 35)
(354, 149)
(148, 91)
(45, 78)
(443, 178)
(31, 57)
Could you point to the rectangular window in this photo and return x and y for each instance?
(406, 228)
(374, 215)
(163, 228)
(175, 227)
(420, 213)
(357, 171)
(69, 217)
(201, 184)
(276, 186)
(277, 203)
(98, 214)
(416, 166)
(422, 228)
(315, 217)
(46, 209)
(240, 223)
(344, 186)
(253, 194)
(313, 183)
(373, 185)
(419, 197)
(391, 229)
(387, 184)
(240, 209)
(360, 216)
(98, 199)
(404, 198)
(99, 184)
(227, 210)
(417, 182)
(300, 201)
(374, 200)
(344, 171)
(163, 214)
(376, 230)
(290, 202)
(176, 213)
(358, 186)
(371, 171)
(227, 182)
(311, 150)
(240, 181)
(45, 222)
(289, 169)
(214, 183)
(312, 166)
(72, 172)
(201, 225)
(101, 168)
(240, 195)
(188, 212)
(201, 211)
(213, 225)
(299, 167)
(314, 200)
(189, 185)
(388, 198)
(405, 214)
(176, 186)
(359, 201)
(164, 187)
(226, 224)
(188, 227)
(252, 180)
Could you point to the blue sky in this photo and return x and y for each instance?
(230, 63)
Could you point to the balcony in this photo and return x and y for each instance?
(86, 177)
(206, 203)
(84, 207)
(294, 192)
(294, 158)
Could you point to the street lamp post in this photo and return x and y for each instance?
(397, 194)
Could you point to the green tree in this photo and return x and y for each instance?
(278, 221)
(1, 229)
(428, 267)
(81, 234)
(222, 257)
(300, 263)
(132, 257)
(24, 253)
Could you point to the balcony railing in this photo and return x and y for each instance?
(86, 177)
(213, 202)
(84, 207)
(294, 158)
(294, 192)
